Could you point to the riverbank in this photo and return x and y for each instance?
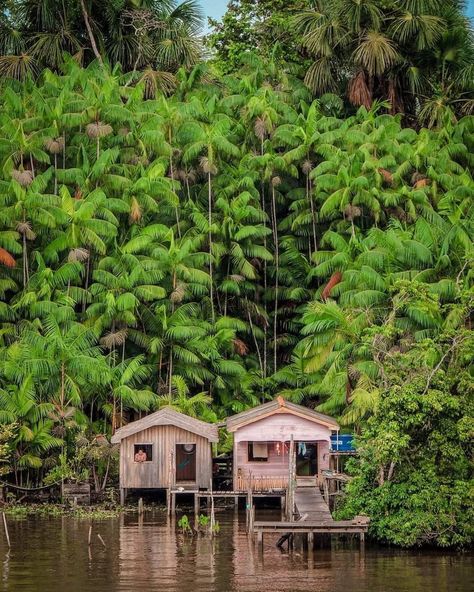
(99, 511)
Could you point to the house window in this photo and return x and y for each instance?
(142, 453)
(258, 451)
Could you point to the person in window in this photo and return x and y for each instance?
(140, 456)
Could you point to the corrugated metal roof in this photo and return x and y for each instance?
(278, 405)
(168, 416)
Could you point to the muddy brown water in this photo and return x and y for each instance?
(148, 554)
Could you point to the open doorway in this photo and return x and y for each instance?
(306, 459)
(185, 462)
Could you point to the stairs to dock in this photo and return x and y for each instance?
(311, 506)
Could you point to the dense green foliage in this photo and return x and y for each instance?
(235, 239)
(417, 448)
(156, 36)
(416, 55)
(265, 26)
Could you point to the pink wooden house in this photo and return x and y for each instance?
(262, 438)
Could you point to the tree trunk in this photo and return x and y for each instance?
(25, 260)
(381, 477)
(106, 476)
(170, 372)
(172, 178)
(277, 260)
(91, 34)
(313, 213)
(390, 471)
(210, 242)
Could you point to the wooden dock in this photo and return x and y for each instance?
(314, 517)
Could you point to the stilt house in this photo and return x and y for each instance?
(165, 449)
(262, 438)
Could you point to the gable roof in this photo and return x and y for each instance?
(168, 416)
(279, 405)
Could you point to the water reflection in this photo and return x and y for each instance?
(147, 553)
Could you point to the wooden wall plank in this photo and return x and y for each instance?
(156, 473)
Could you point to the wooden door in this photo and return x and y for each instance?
(185, 462)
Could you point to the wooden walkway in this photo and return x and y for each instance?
(310, 505)
(314, 518)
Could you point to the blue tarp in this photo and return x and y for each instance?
(342, 443)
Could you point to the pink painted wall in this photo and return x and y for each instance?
(280, 427)
(277, 429)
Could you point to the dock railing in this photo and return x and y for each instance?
(262, 482)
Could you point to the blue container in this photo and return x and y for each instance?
(342, 443)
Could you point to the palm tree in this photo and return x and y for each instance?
(33, 438)
(392, 52)
(208, 140)
(126, 377)
(134, 34)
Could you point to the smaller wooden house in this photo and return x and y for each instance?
(163, 450)
(262, 437)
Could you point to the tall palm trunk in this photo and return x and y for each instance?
(170, 372)
(209, 182)
(55, 174)
(172, 178)
(309, 196)
(265, 283)
(277, 261)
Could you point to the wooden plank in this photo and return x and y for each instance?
(309, 501)
(328, 529)
(308, 527)
(301, 525)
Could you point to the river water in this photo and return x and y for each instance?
(148, 554)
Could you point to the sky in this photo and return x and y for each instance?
(216, 8)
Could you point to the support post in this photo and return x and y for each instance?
(140, 506)
(123, 495)
(260, 539)
(7, 535)
(173, 503)
(213, 518)
(252, 519)
(197, 505)
(310, 541)
(291, 480)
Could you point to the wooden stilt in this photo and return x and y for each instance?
(123, 495)
(140, 506)
(310, 541)
(196, 507)
(252, 519)
(260, 540)
(6, 529)
(173, 503)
